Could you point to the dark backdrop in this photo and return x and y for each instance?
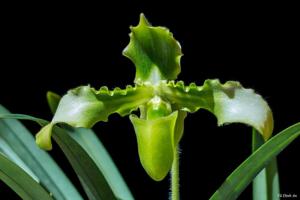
(57, 47)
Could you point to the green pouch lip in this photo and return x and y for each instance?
(156, 146)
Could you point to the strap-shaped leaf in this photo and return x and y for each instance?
(229, 102)
(22, 183)
(154, 51)
(92, 175)
(89, 141)
(19, 141)
(266, 183)
(84, 106)
(238, 180)
(9, 152)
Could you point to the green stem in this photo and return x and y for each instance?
(175, 176)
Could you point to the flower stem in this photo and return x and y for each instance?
(175, 176)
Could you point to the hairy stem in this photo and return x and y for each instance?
(175, 176)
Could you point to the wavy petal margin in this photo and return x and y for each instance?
(84, 106)
(229, 102)
(154, 51)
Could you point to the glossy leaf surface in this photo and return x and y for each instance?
(238, 180)
(266, 183)
(92, 175)
(21, 148)
(91, 178)
(96, 150)
(22, 183)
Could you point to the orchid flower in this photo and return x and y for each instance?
(163, 103)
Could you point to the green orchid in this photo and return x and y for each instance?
(162, 102)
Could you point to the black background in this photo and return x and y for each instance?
(58, 47)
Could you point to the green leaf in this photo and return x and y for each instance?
(53, 100)
(154, 51)
(229, 102)
(19, 145)
(11, 154)
(238, 180)
(97, 179)
(93, 146)
(84, 106)
(92, 179)
(22, 183)
(266, 183)
(7, 115)
(95, 149)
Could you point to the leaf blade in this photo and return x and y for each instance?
(237, 181)
(266, 183)
(22, 143)
(11, 154)
(92, 179)
(93, 146)
(22, 183)
(89, 175)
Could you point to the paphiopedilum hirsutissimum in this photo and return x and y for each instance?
(163, 102)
